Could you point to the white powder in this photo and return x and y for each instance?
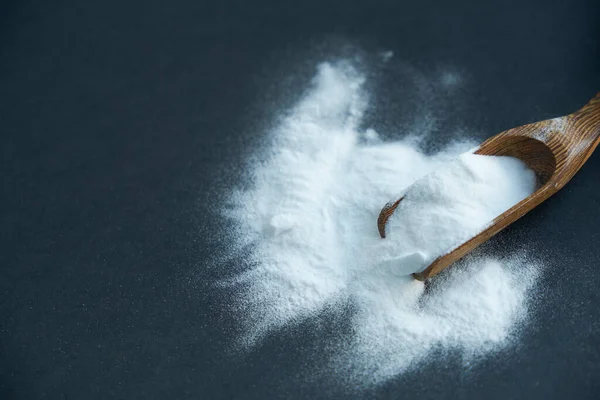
(306, 234)
(446, 208)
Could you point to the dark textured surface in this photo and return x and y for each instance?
(122, 122)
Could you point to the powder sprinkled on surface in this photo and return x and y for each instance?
(552, 125)
(306, 234)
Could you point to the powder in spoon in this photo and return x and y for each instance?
(449, 206)
(305, 237)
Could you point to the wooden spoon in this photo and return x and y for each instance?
(555, 149)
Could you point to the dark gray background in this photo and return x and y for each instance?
(124, 122)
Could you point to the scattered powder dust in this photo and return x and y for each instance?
(305, 231)
(386, 55)
(558, 124)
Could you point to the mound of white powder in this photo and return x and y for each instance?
(306, 233)
(447, 207)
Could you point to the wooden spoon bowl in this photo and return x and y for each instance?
(554, 149)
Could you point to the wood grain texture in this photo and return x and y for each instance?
(385, 214)
(555, 149)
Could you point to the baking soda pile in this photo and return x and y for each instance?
(449, 206)
(306, 233)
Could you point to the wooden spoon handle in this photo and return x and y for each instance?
(572, 139)
(586, 121)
